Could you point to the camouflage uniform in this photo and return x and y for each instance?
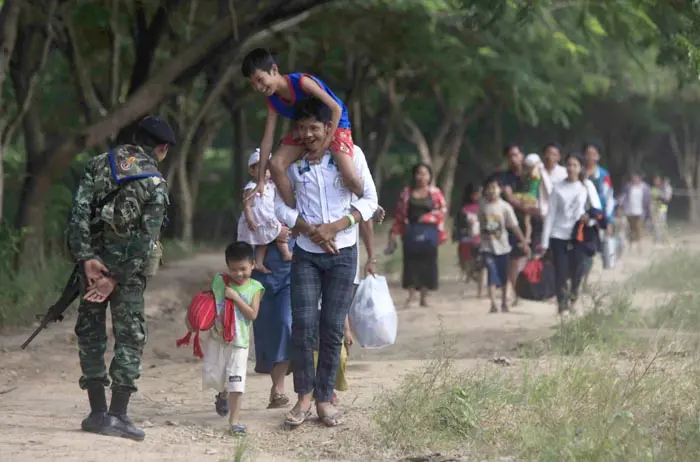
(129, 226)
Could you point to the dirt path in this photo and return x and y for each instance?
(41, 405)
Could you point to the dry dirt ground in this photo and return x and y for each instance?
(41, 405)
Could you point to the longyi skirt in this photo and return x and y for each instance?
(420, 268)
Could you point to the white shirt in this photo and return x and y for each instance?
(567, 203)
(635, 203)
(322, 198)
(558, 174)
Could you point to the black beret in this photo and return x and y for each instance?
(158, 128)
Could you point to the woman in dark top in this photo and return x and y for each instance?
(420, 221)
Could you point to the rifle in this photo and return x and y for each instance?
(55, 313)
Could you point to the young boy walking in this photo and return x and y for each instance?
(282, 91)
(226, 358)
(496, 217)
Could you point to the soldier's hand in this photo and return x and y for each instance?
(100, 290)
(94, 270)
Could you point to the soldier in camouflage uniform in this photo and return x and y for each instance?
(113, 242)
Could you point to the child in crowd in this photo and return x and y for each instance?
(496, 217)
(282, 91)
(536, 186)
(226, 361)
(258, 225)
(467, 235)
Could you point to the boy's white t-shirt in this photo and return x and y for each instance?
(495, 219)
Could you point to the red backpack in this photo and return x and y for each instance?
(201, 316)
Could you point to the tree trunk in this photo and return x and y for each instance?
(447, 174)
(28, 63)
(9, 18)
(686, 153)
(379, 132)
(443, 153)
(239, 162)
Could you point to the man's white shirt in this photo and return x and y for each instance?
(558, 174)
(322, 198)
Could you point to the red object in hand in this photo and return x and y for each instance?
(201, 316)
(533, 271)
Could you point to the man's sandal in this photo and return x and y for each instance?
(277, 401)
(296, 417)
(332, 420)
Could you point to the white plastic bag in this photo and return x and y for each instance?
(214, 365)
(609, 252)
(373, 317)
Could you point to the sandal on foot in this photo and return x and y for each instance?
(494, 308)
(296, 417)
(278, 400)
(332, 420)
(222, 405)
(504, 308)
(238, 429)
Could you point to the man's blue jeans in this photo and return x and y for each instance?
(330, 278)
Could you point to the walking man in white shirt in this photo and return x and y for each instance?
(551, 154)
(324, 262)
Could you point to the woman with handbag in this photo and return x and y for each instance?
(420, 221)
(570, 202)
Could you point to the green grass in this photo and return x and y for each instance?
(614, 384)
(677, 272)
(679, 312)
(593, 408)
(600, 327)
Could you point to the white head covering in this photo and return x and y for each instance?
(255, 158)
(532, 160)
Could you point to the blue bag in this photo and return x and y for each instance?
(420, 236)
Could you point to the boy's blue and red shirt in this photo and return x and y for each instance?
(286, 108)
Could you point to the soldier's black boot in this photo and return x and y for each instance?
(119, 423)
(98, 419)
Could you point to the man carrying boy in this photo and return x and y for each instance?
(282, 92)
(115, 222)
(496, 218)
(325, 259)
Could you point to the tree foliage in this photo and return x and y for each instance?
(443, 81)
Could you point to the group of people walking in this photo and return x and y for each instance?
(539, 206)
(567, 213)
(291, 273)
(289, 276)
